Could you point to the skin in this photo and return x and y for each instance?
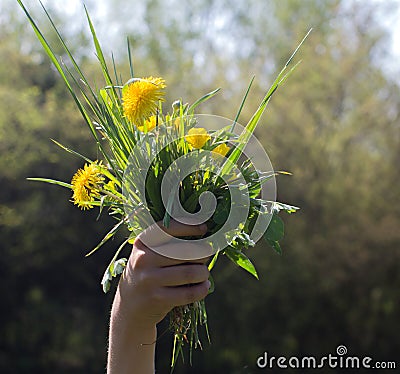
(150, 287)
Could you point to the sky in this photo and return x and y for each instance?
(99, 11)
(394, 25)
(75, 6)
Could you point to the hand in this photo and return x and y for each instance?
(149, 288)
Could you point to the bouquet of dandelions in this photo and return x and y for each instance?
(157, 166)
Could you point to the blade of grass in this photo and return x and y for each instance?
(130, 57)
(59, 68)
(76, 67)
(252, 124)
(51, 181)
(242, 104)
(69, 150)
(107, 237)
(99, 51)
(201, 100)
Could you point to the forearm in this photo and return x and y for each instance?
(131, 344)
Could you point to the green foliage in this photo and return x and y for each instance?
(115, 269)
(240, 259)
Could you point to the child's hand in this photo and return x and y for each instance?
(152, 284)
(149, 288)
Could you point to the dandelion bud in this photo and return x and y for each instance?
(176, 105)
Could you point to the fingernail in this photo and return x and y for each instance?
(208, 284)
(203, 227)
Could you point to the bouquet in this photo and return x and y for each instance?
(159, 165)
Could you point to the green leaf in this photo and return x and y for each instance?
(275, 245)
(119, 266)
(106, 281)
(240, 259)
(113, 270)
(275, 231)
(244, 240)
(222, 212)
(214, 260)
(202, 99)
(281, 206)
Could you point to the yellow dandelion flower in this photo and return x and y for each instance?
(197, 137)
(220, 150)
(86, 184)
(140, 98)
(148, 125)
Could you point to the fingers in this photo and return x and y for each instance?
(175, 252)
(156, 235)
(180, 275)
(184, 295)
(153, 284)
(186, 251)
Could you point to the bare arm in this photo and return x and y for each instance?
(149, 288)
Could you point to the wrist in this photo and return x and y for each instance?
(129, 318)
(132, 343)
